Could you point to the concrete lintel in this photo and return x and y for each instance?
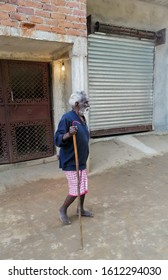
(28, 56)
(35, 34)
(47, 46)
(30, 49)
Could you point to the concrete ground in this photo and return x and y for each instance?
(127, 192)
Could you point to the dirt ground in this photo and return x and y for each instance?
(130, 216)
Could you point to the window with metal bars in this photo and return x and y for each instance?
(31, 139)
(28, 84)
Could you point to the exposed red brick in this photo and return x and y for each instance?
(59, 16)
(65, 10)
(72, 18)
(30, 4)
(65, 24)
(35, 19)
(4, 15)
(16, 16)
(43, 27)
(79, 26)
(59, 2)
(7, 7)
(79, 13)
(14, 2)
(47, 7)
(50, 22)
(72, 5)
(59, 30)
(73, 32)
(43, 14)
(9, 23)
(25, 10)
(27, 25)
(83, 20)
(46, 1)
(72, 25)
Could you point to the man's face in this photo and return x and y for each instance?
(83, 106)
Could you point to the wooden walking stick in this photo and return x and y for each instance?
(78, 186)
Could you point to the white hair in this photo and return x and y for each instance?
(76, 97)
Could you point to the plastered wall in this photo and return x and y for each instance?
(145, 16)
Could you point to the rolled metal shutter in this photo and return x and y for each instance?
(120, 72)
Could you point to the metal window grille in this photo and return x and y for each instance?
(4, 156)
(28, 83)
(31, 139)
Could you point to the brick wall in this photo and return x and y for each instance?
(65, 17)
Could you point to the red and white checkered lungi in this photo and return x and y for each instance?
(73, 182)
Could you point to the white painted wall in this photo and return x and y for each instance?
(61, 90)
(74, 78)
(145, 16)
(78, 56)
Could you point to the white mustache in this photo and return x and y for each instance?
(84, 110)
